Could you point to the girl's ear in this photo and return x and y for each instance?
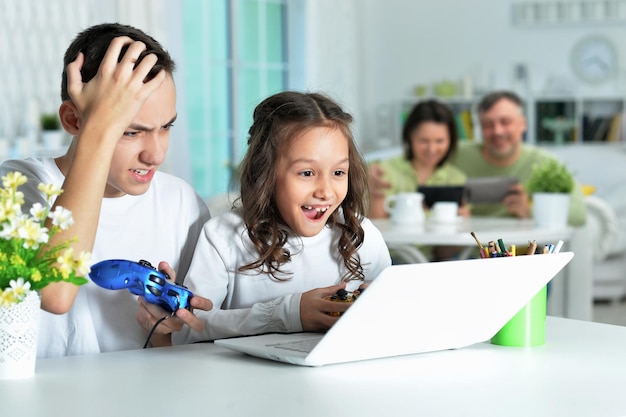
(70, 117)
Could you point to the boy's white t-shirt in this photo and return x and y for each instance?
(162, 224)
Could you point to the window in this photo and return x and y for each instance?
(235, 55)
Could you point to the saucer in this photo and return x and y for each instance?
(456, 220)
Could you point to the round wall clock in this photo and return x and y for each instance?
(594, 59)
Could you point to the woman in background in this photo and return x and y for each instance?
(429, 138)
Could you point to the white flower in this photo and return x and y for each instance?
(81, 264)
(61, 217)
(20, 288)
(9, 230)
(38, 211)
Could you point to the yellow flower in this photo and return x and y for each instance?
(7, 298)
(8, 210)
(14, 179)
(66, 263)
(36, 276)
(18, 197)
(17, 260)
(49, 189)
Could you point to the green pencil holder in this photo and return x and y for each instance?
(528, 326)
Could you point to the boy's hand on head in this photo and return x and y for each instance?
(517, 202)
(118, 91)
(313, 308)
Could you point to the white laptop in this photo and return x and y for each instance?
(417, 308)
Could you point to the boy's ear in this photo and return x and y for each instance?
(70, 117)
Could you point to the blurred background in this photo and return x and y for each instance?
(377, 57)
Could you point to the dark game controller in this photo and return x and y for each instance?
(142, 279)
(343, 296)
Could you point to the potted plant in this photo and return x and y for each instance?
(28, 264)
(51, 132)
(550, 186)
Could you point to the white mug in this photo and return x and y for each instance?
(445, 211)
(405, 207)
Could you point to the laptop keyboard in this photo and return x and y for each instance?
(305, 345)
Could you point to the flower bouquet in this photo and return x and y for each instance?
(28, 264)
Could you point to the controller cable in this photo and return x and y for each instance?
(159, 321)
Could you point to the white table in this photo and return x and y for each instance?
(580, 371)
(571, 291)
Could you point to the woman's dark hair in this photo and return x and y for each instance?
(278, 121)
(94, 42)
(429, 111)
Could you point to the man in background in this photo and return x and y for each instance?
(503, 154)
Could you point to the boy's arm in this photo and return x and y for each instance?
(97, 117)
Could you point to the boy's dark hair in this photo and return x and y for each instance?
(278, 121)
(429, 111)
(94, 41)
(490, 99)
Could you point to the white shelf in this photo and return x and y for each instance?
(598, 119)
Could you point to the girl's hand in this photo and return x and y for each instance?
(314, 309)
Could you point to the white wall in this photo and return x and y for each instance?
(368, 54)
(34, 35)
(332, 57)
(410, 42)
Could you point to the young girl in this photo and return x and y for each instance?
(299, 234)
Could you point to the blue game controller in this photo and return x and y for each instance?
(143, 279)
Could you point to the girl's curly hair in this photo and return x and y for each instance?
(278, 120)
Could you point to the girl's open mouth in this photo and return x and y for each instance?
(314, 213)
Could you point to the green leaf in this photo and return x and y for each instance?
(550, 177)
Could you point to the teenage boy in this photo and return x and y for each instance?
(118, 103)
